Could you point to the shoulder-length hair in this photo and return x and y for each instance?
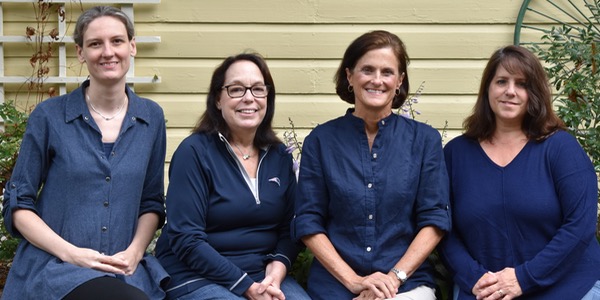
(96, 12)
(539, 121)
(372, 40)
(212, 120)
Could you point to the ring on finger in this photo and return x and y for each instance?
(501, 292)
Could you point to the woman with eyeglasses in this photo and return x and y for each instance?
(231, 195)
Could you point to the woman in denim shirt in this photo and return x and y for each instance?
(87, 191)
(373, 188)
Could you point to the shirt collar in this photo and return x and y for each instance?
(382, 123)
(76, 105)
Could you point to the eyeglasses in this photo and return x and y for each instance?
(238, 91)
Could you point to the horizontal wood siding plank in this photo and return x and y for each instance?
(191, 41)
(311, 11)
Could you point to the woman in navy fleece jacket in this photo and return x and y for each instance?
(231, 195)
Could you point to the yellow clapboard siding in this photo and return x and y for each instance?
(187, 76)
(293, 41)
(308, 111)
(336, 11)
(303, 41)
(314, 11)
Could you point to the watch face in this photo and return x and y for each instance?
(401, 275)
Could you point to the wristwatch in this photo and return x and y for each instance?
(401, 275)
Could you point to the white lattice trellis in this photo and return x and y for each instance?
(62, 79)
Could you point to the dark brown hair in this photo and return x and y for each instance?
(371, 41)
(212, 120)
(540, 120)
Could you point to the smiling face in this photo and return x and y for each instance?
(375, 78)
(243, 114)
(106, 49)
(508, 96)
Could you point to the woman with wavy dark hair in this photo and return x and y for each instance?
(231, 195)
(374, 188)
(523, 193)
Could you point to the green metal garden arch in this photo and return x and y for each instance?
(537, 17)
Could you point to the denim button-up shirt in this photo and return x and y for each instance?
(370, 203)
(89, 199)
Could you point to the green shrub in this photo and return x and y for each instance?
(11, 136)
(572, 55)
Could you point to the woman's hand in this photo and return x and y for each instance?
(88, 258)
(485, 281)
(131, 259)
(257, 292)
(367, 295)
(275, 273)
(500, 285)
(379, 284)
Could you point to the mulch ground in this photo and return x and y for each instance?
(4, 267)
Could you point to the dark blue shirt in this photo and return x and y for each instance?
(370, 204)
(537, 215)
(217, 230)
(88, 198)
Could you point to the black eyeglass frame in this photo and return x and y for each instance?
(246, 88)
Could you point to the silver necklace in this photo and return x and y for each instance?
(244, 155)
(100, 114)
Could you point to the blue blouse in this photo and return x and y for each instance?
(537, 215)
(218, 231)
(88, 198)
(371, 204)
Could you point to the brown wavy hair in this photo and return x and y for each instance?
(540, 121)
(372, 40)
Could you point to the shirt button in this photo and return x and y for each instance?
(368, 249)
(86, 118)
(370, 217)
(133, 119)
(382, 122)
(370, 185)
(105, 203)
(374, 155)
(112, 153)
(107, 178)
(104, 228)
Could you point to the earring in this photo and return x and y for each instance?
(350, 89)
(397, 91)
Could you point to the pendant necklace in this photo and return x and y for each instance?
(100, 114)
(244, 155)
